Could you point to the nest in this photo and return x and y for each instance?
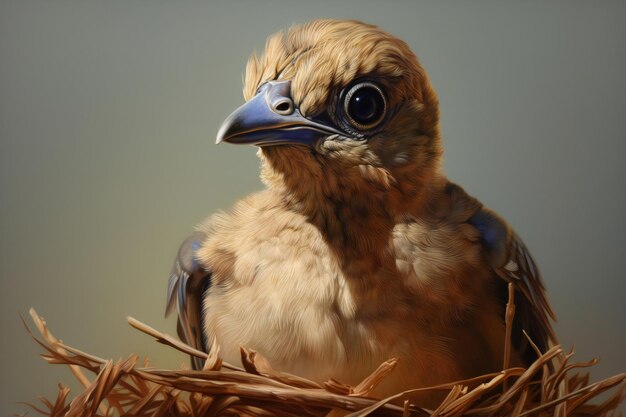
(552, 385)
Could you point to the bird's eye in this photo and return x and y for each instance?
(364, 105)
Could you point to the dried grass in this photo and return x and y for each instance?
(552, 385)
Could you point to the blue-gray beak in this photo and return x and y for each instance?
(271, 118)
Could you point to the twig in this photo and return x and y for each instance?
(508, 320)
(166, 339)
(55, 343)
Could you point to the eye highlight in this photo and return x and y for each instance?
(364, 105)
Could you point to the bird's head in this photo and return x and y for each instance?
(339, 108)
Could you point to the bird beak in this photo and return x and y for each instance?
(271, 118)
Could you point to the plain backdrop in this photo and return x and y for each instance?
(109, 110)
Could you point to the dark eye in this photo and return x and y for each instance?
(364, 105)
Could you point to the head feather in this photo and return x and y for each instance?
(323, 57)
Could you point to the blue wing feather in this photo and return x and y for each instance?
(512, 262)
(187, 284)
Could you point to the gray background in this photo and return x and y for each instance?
(108, 113)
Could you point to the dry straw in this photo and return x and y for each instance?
(552, 385)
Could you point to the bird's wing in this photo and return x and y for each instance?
(186, 287)
(512, 262)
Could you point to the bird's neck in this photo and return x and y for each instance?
(356, 217)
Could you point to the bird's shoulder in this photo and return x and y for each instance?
(460, 237)
(257, 229)
(440, 235)
(261, 212)
(243, 246)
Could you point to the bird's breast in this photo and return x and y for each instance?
(277, 288)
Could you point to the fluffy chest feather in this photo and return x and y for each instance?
(279, 289)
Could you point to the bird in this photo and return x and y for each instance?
(359, 248)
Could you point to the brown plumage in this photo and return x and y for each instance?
(359, 249)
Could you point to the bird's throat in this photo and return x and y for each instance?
(354, 216)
